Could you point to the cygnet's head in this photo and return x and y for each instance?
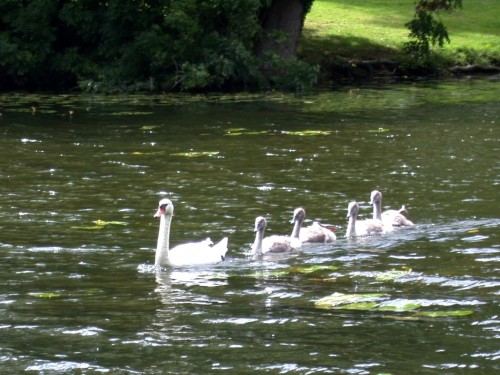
(375, 197)
(298, 215)
(352, 209)
(260, 224)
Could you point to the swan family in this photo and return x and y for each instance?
(206, 252)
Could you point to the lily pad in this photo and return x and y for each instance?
(393, 274)
(311, 269)
(336, 300)
(93, 227)
(196, 154)
(45, 295)
(100, 224)
(399, 306)
(148, 127)
(443, 314)
(308, 133)
(236, 132)
(104, 223)
(379, 130)
(363, 306)
(379, 302)
(148, 153)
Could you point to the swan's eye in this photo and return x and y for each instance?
(163, 206)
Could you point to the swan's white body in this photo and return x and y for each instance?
(271, 244)
(367, 227)
(187, 254)
(315, 233)
(390, 218)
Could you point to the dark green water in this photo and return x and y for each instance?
(77, 297)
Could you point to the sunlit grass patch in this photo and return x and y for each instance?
(375, 29)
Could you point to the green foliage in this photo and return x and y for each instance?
(25, 38)
(466, 56)
(291, 74)
(427, 31)
(137, 45)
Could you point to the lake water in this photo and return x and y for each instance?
(81, 178)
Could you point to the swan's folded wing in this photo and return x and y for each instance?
(317, 233)
(220, 247)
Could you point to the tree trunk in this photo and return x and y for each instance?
(282, 25)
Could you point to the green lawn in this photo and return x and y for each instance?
(374, 29)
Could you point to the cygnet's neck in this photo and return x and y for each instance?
(257, 245)
(296, 228)
(377, 210)
(351, 226)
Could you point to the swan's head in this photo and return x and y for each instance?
(260, 224)
(165, 207)
(298, 215)
(352, 209)
(375, 197)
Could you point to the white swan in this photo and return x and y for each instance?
(390, 218)
(271, 244)
(365, 227)
(315, 233)
(191, 253)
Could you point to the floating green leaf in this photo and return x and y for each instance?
(45, 295)
(393, 274)
(308, 133)
(378, 302)
(363, 306)
(399, 307)
(337, 299)
(148, 127)
(148, 153)
(100, 224)
(104, 223)
(443, 314)
(242, 131)
(379, 130)
(311, 269)
(236, 130)
(93, 227)
(196, 154)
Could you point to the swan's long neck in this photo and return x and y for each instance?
(162, 249)
(296, 229)
(377, 210)
(351, 226)
(257, 245)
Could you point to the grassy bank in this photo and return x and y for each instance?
(346, 30)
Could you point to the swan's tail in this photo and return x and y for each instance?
(221, 248)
